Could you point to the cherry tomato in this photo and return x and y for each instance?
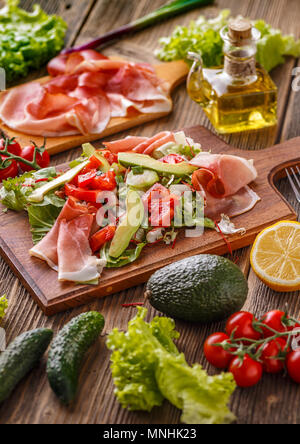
(42, 158)
(85, 180)
(13, 147)
(273, 319)
(109, 156)
(269, 352)
(172, 159)
(101, 237)
(293, 365)
(216, 355)
(246, 373)
(241, 324)
(10, 169)
(104, 181)
(81, 193)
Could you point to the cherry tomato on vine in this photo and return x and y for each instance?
(246, 373)
(241, 324)
(270, 351)
(8, 168)
(273, 319)
(293, 365)
(42, 157)
(216, 355)
(13, 147)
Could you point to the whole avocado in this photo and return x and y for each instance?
(202, 288)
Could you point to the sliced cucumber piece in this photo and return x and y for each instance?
(143, 180)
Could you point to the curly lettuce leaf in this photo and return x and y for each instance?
(28, 39)
(147, 367)
(3, 306)
(203, 37)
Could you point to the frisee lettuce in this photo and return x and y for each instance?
(203, 36)
(147, 367)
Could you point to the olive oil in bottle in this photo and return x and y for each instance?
(240, 95)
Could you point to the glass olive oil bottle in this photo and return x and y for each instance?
(240, 95)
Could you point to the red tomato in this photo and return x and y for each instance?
(104, 181)
(13, 147)
(293, 365)
(94, 163)
(241, 324)
(85, 180)
(216, 355)
(162, 212)
(109, 156)
(10, 169)
(273, 319)
(42, 157)
(246, 373)
(101, 237)
(81, 193)
(269, 352)
(172, 159)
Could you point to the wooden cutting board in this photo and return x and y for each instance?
(173, 73)
(53, 296)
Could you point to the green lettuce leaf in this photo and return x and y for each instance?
(147, 367)
(203, 37)
(128, 256)
(28, 40)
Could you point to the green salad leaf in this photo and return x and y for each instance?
(3, 306)
(42, 215)
(147, 367)
(203, 36)
(28, 39)
(128, 256)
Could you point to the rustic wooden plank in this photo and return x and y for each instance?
(274, 400)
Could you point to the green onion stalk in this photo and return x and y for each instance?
(167, 11)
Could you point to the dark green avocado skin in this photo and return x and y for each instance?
(20, 357)
(203, 288)
(67, 352)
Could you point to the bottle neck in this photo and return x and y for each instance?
(241, 67)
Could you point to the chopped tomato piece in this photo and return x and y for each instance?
(172, 159)
(104, 181)
(81, 193)
(101, 237)
(93, 164)
(85, 180)
(162, 213)
(109, 156)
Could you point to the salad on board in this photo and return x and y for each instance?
(139, 191)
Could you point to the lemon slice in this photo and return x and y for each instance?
(275, 256)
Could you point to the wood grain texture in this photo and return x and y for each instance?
(54, 296)
(276, 399)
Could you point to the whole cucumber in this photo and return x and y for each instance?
(20, 357)
(67, 352)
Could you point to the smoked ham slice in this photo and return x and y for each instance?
(46, 249)
(84, 92)
(231, 172)
(73, 243)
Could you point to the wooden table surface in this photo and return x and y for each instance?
(275, 399)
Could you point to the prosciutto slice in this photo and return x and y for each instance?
(148, 146)
(127, 144)
(46, 249)
(85, 91)
(73, 242)
(227, 174)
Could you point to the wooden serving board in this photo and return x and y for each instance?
(54, 296)
(173, 73)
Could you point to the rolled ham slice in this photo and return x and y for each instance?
(231, 173)
(46, 249)
(75, 259)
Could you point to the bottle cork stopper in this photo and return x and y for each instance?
(240, 29)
